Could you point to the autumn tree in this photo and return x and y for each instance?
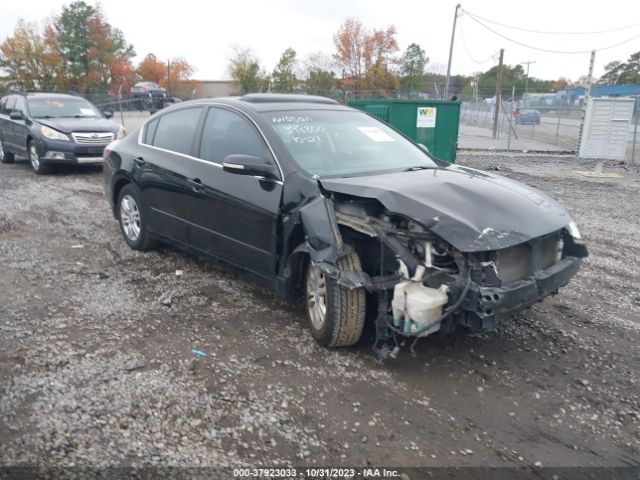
(32, 60)
(367, 56)
(150, 69)
(412, 66)
(284, 77)
(173, 75)
(244, 68)
(90, 47)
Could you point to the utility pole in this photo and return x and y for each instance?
(453, 36)
(587, 96)
(169, 76)
(526, 78)
(498, 90)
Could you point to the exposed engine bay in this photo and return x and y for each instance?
(420, 282)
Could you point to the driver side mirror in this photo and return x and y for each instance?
(249, 165)
(108, 113)
(16, 116)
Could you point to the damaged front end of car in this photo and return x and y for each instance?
(418, 283)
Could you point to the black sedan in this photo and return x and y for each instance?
(319, 200)
(53, 129)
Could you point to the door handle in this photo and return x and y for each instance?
(196, 184)
(139, 161)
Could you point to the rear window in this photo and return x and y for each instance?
(176, 130)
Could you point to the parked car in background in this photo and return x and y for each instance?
(325, 202)
(149, 96)
(54, 129)
(527, 116)
(171, 101)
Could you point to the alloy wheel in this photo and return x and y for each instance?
(130, 217)
(34, 158)
(316, 297)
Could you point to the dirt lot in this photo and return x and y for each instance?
(95, 370)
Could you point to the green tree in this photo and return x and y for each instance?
(284, 77)
(89, 46)
(245, 69)
(318, 74)
(412, 66)
(618, 73)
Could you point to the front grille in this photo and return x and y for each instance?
(90, 138)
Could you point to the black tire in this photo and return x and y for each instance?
(133, 224)
(38, 166)
(5, 157)
(344, 312)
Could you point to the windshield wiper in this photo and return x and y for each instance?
(417, 167)
(43, 116)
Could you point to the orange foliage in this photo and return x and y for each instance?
(366, 55)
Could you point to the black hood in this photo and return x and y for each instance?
(472, 210)
(68, 125)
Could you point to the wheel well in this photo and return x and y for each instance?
(29, 138)
(119, 185)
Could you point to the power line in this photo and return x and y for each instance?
(466, 49)
(548, 50)
(546, 32)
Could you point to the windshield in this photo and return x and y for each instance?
(331, 143)
(62, 107)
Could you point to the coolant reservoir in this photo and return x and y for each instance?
(418, 303)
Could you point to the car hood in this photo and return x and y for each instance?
(68, 125)
(472, 210)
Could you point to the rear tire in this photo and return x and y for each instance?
(132, 216)
(5, 157)
(335, 314)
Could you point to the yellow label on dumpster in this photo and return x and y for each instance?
(426, 117)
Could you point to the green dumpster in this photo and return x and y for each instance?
(433, 123)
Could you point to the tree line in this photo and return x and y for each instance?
(79, 50)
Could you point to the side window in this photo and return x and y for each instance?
(227, 133)
(176, 130)
(150, 131)
(20, 106)
(11, 101)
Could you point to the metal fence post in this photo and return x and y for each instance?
(513, 93)
(635, 131)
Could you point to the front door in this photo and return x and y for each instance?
(233, 217)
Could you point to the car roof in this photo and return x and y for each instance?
(268, 102)
(51, 95)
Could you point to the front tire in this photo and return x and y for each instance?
(34, 159)
(335, 314)
(132, 217)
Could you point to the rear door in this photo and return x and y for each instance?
(233, 217)
(7, 123)
(163, 168)
(21, 127)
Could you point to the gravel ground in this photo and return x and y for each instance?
(95, 370)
